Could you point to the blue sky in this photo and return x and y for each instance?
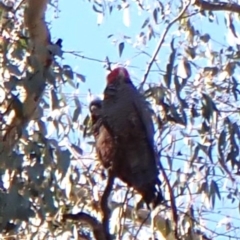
(77, 25)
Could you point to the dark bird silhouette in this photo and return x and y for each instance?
(124, 134)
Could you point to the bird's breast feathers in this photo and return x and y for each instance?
(104, 146)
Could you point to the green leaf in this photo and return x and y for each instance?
(86, 120)
(235, 90)
(71, 83)
(215, 189)
(23, 43)
(191, 51)
(213, 198)
(232, 27)
(81, 77)
(184, 118)
(150, 32)
(205, 38)
(98, 3)
(54, 104)
(155, 15)
(195, 155)
(42, 127)
(17, 54)
(170, 65)
(48, 197)
(222, 142)
(208, 107)
(13, 69)
(184, 70)
(212, 70)
(168, 227)
(120, 48)
(170, 161)
(35, 173)
(12, 83)
(110, 9)
(63, 158)
(96, 10)
(76, 114)
(177, 84)
(205, 127)
(205, 188)
(77, 102)
(211, 16)
(77, 149)
(194, 112)
(145, 23)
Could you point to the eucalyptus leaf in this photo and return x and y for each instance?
(120, 48)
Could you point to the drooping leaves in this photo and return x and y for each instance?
(121, 48)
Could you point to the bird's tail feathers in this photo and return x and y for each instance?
(152, 194)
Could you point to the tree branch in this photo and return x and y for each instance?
(218, 6)
(19, 111)
(172, 202)
(34, 18)
(104, 205)
(95, 225)
(162, 224)
(160, 43)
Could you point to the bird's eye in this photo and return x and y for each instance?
(93, 108)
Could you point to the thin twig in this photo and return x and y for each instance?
(88, 58)
(108, 64)
(160, 43)
(77, 54)
(120, 215)
(104, 205)
(19, 5)
(141, 225)
(172, 201)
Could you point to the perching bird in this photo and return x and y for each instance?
(125, 121)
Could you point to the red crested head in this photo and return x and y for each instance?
(119, 74)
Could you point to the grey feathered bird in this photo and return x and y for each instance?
(127, 136)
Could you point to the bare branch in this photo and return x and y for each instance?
(95, 225)
(19, 113)
(172, 202)
(218, 6)
(160, 43)
(106, 61)
(104, 205)
(34, 18)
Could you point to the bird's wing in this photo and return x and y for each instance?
(105, 147)
(144, 114)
